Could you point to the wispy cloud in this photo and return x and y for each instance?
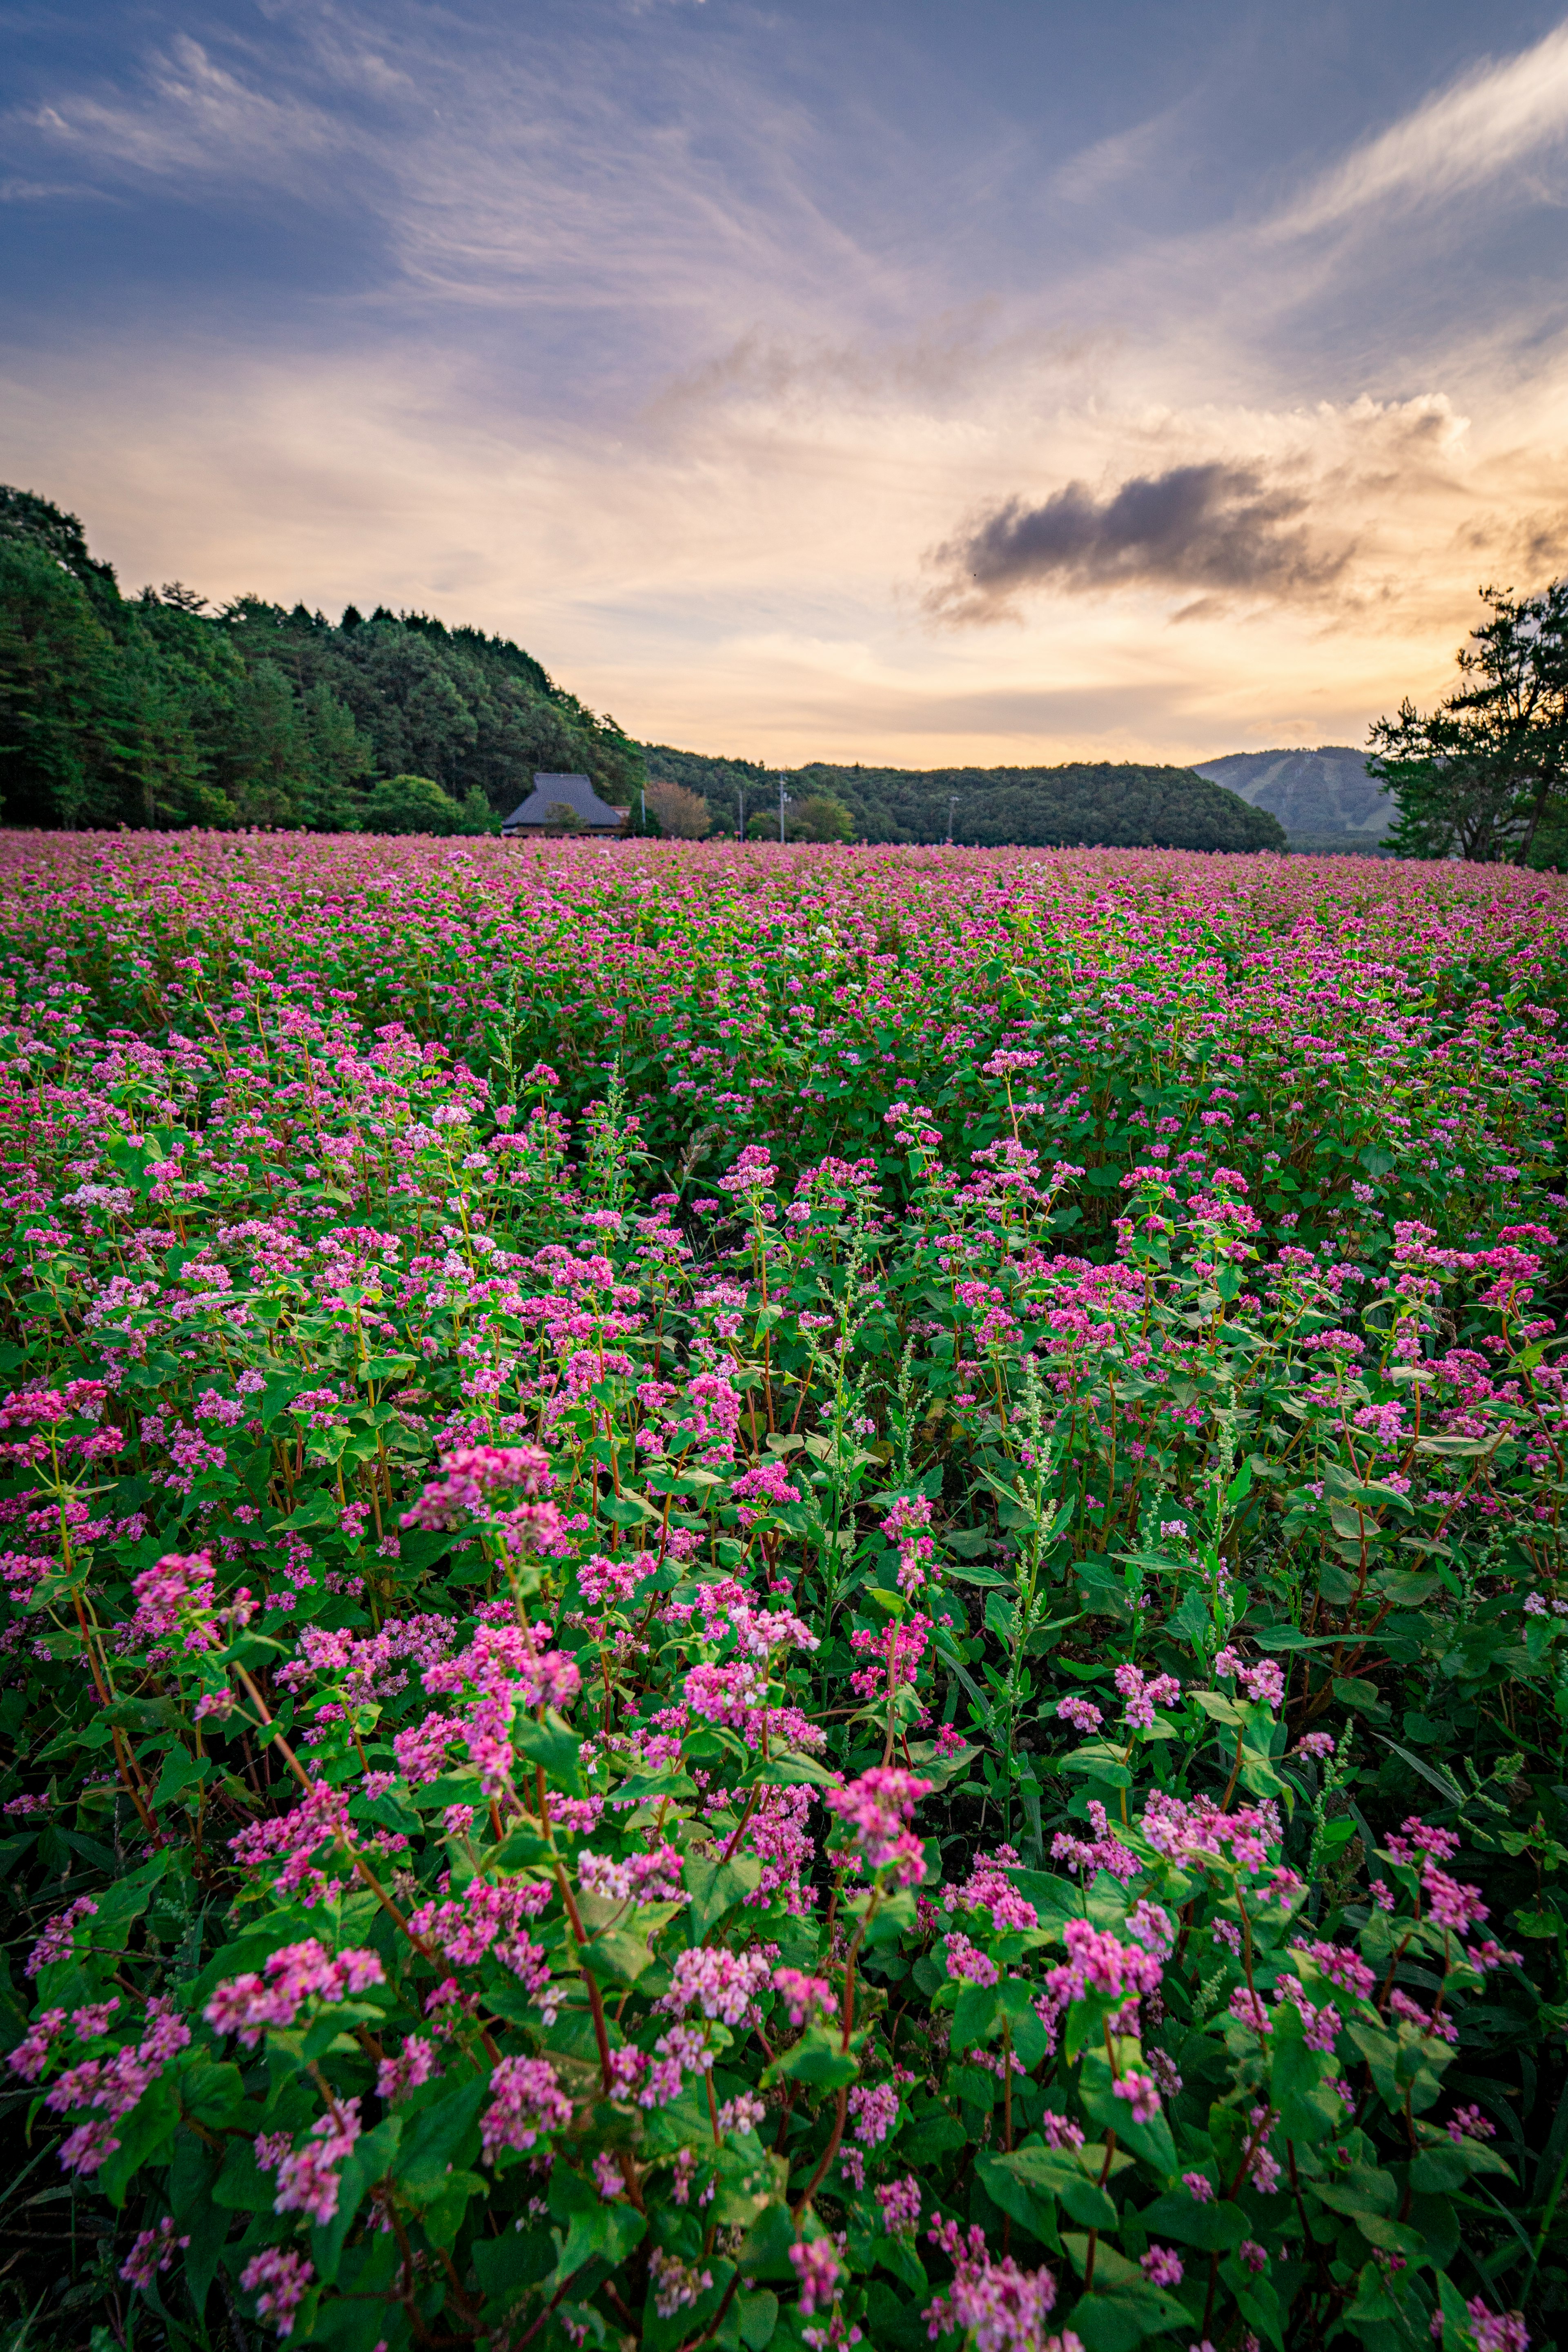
(196, 118)
(1493, 118)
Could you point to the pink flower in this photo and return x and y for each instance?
(967, 1960)
(805, 1996)
(875, 2110)
(817, 2271)
(1142, 2095)
(279, 2279)
(529, 2103)
(900, 2202)
(1081, 1713)
(414, 2064)
(152, 2252)
(878, 1807)
(1002, 2307)
(1161, 2266)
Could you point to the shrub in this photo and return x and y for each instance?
(413, 804)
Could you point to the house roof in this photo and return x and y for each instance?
(572, 792)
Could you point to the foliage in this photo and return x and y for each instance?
(413, 804)
(682, 815)
(152, 711)
(1121, 805)
(819, 816)
(1485, 775)
(855, 1745)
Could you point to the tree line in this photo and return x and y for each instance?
(1118, 804)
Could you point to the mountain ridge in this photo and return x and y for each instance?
(1316, 794)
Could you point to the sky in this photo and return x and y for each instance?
(915, 382)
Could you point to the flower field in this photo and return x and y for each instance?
(781, 1597)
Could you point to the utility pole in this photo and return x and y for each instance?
(952, 805)
(740, 788)
(781, 808)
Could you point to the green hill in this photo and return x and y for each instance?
(1119, 805)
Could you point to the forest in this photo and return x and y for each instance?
(152, 710)
(1119, 805)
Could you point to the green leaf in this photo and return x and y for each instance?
(607, 2228)
(510, 2263)
(716, 1887)
(555, 1745)
(817, 2058)
(1214, 2228)
(1152, 2141)
(1029, 2205)
(977, 2010)
(211, 2094)
(758, 2318)
(1299, 2077)
(444, 2135)
(142, 2134)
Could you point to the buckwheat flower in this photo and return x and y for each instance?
(1468, 2122)
(1449, 1904)
(528, 2103)
(722, 1984)
(1317, 1745)
(1081, 1713)
(741, 2113)
(608, 2177)
(307, 2177)
(817, 2271)
(31, 2054)
(1198, 2186)
(1246, 2008)
(153, 2250)
(1002, 2307)
(675, 2283)
(1494, 2331)
(878, 1807)
(1252, 2255)
(1161, 2266)
(875, 2110)
(805, 1996)
(900, 2202)
(965, 1961)
(415, 2064)
(1141, 2095)
(59, 1938)
(279, 2279)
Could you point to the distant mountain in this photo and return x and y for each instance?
(1121, 805)
(1318, 796)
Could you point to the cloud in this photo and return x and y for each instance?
(1490, 119)
(1218, 527)
(195, 120)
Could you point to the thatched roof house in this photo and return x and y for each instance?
(551, 795)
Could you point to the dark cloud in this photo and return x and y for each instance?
(1220, 530)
